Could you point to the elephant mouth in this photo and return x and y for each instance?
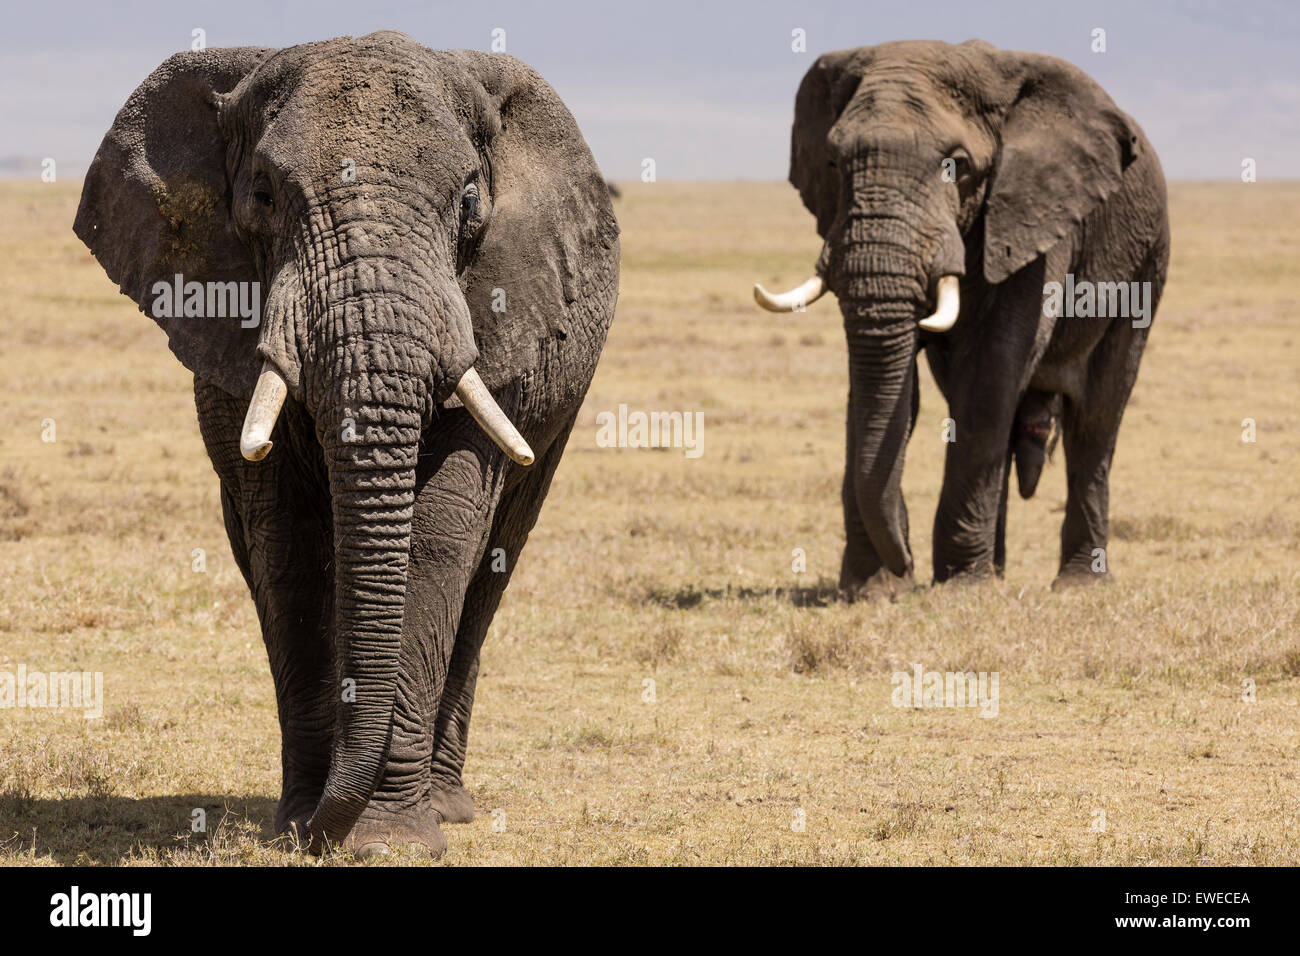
(269, 395)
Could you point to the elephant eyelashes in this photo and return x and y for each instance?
(471, 224)
(960, 165)
(262, 196)
(469, 202)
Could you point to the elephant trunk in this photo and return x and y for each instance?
(882, 344)
(883, 285)
(371, 449)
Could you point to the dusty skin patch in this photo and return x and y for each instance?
(771, 699)
(190, 210)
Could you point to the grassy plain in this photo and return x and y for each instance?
(771, 737)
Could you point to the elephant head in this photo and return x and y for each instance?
(381, 198)
(934, 172)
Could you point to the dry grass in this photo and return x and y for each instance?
(770, 697)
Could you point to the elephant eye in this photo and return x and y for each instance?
(960, 165)
(263, 197)
(469, 201)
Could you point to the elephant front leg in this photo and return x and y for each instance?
(1000, 534)
(292, 588)
(989, 360)
(458, 488)
(448, 796)
(515, 517)
(970, 522)
(281, 541)
(971, 509)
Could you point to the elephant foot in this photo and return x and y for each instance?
(379, 832)
(291, 816)
(452, 803)
(294, 831)
(972, 575)
(884, 584)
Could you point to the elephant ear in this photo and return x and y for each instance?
(826, 89)
(546, 265)
(1065, 146)
(155, 205)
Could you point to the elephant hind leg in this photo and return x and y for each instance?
(1089, 429)
(515, 516)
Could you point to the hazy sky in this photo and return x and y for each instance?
(705, 88)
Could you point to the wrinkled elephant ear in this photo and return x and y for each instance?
(1065, 146)
(155, 205)
(546, 265)
(826, 89)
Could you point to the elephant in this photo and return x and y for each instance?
(441, 263)
(957, 189)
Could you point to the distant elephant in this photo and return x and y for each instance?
(440, 264)
(952, 186)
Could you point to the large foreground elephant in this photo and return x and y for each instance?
(436, 261)
(954, 186)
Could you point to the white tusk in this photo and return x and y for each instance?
(796, 300)
(263, 410)
(474, 395)
(949, 304)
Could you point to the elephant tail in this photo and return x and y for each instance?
(1034, 437)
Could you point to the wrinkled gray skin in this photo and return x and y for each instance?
(1051, 178)
(368, 535)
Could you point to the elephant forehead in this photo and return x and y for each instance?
(930, 78)
(940, 63)
(906, 114)
(365, 100)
